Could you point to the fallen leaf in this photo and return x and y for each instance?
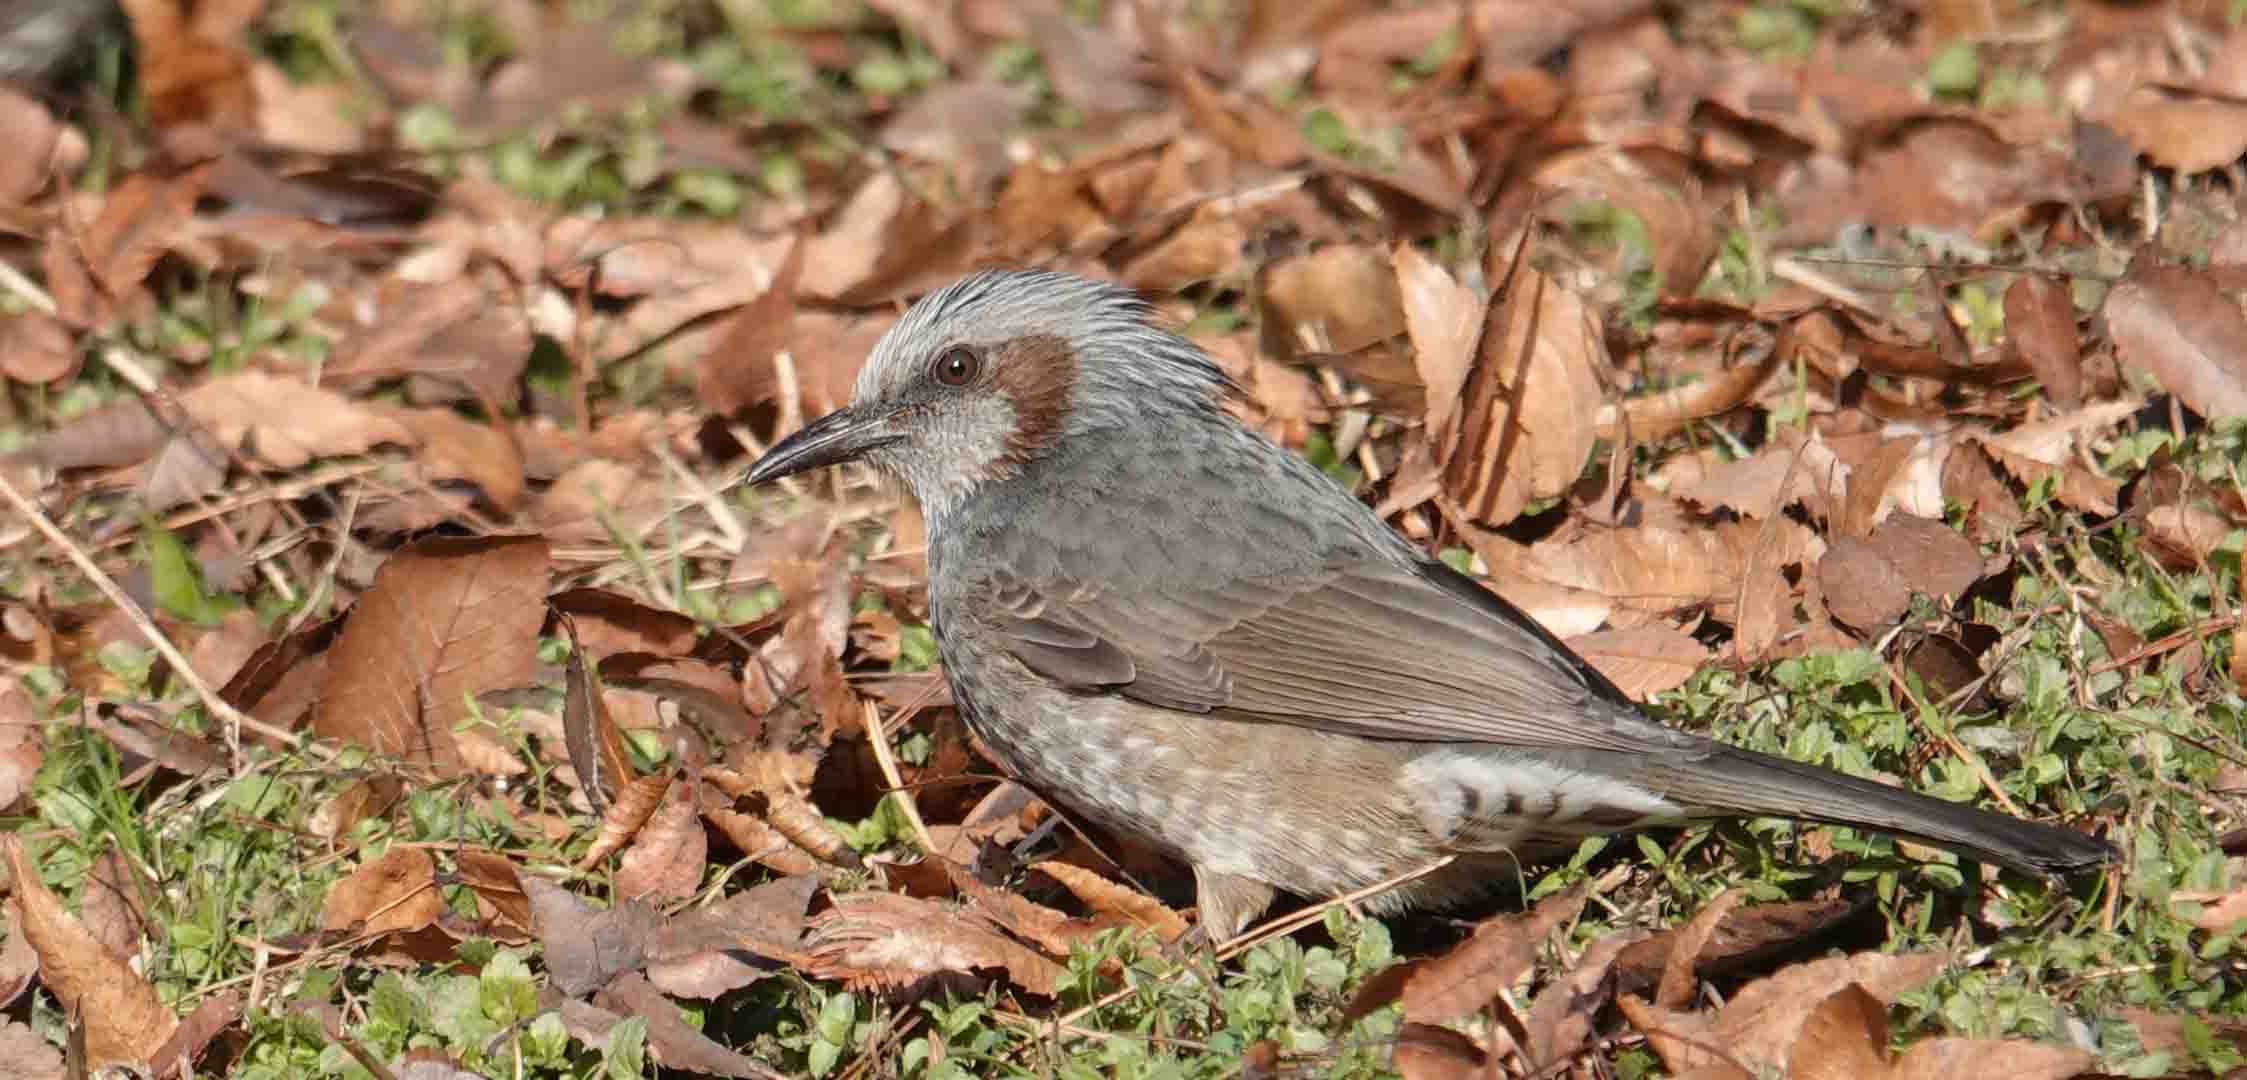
(1643, 661)
(1130, 905)
(1337, 298)
(1844, 1038)
(2175, 322)
(445, 619)
(1527, 413)
(285, 422)
(37, 348)
(877, 939)
(672, 1042)
(1445, 320)
(28, 1054)
(395, 893)
(1560, 1021)
(666, 859)
(586, 947)
(1759, 1025)
(124, 1020)
(2040, 320)
(2052, 450)
(1498, 954)
(2187, 135)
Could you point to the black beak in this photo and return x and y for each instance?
(843, 435)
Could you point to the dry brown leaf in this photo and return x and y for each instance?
(1657, 569)
(1121, 901)
(44, 148)
(2176, 323)
(1844, 1038)
(1659, 415)
(562, 62)
(2190, 136)
(113, 905)
(445, 620)
(1790, 469)
(1051, 930)
(23, 744)
(461, 339)
(965, 126)
(2182, 535)
(1338, 298)
(1498, 954)
(95, 271)
(1737, 936)
(19, 962)
(1643, 661)
(1760, 1024)
(2239, 645)
(456, 448)
(37, 348)
(634, 805)
(754, 837)
(395, 893)
(1943, 1059)
(214, 1016)
(585, 947)
(1862, 588)
(1932, 558)
(1445, 320)
(124, 1020)
(315, 117)
(672, 1042)
(1680, 233)
(187, 76)
(1947, 173)
(499, 891)
(666, 859)
(590, 734)
(1207, 246)
(1429, 1052)
(606, 622)
(365, 797)
(698, 954)
(28, 1054)
(1528, 409)
(2040, 320)
(1560, 1020)
(741, 371)
(1676, 987)
(595, 500)
(2220, 910)
(284, 422)
(1089, 67)
(884, 940)
(2054, 449)
(886, 243)
(1252, 130)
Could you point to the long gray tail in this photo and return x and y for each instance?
(1736, 781)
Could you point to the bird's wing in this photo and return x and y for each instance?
(1371, 648)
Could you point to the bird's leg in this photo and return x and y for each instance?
(1227, 903)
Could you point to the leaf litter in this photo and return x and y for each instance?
(1707, 352)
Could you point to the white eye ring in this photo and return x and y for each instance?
(957, 366)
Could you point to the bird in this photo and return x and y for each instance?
(1161, 620)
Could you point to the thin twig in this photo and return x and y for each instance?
(234, 719)
(879, 741)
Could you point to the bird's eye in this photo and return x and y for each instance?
(957, 366)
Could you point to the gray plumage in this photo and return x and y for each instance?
(1160, 619)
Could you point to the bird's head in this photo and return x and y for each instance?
(987, 376)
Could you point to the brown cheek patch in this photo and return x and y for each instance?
(1036, 374)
